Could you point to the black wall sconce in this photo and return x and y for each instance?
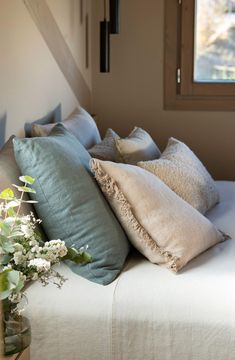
(107, 28)
(104, 42)
(114, 16)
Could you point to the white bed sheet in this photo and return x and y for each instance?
(147, 313)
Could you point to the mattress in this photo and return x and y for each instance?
(148, 312)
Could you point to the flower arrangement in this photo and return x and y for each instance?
(24, 257)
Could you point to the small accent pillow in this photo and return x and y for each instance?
(53, 117)
(138, 146)
(184, 173)
(161, 225)
(70, 203)
(106, 149)
(79, 123)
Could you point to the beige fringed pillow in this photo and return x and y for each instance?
(138, 146)
(161, 225)
(106, 149)
(184, 173)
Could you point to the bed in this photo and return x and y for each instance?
(147, 312)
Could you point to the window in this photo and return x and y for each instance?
(199, 55)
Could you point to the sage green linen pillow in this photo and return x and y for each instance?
(70, 203)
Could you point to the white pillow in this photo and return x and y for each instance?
(184, 173)
(162, 226)
(138, 146)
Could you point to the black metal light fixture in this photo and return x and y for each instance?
(114, 16)
(107, 28)
(104, 42)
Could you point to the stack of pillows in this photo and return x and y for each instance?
(156, 201)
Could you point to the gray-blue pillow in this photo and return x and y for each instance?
(70, 203)
(53, 116)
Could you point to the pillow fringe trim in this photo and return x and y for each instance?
(112, 190)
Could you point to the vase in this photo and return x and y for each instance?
(16, 330)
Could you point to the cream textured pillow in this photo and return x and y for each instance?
(106, 149)
(138, 146)
(161, 225)
(184, 173)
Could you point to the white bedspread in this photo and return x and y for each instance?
(148, 313)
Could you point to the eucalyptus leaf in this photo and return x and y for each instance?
(15, 233)
(7, 194)
(29, 201)
(13, 278)
(4, 282)
(2, 238)
(4, 294)
(79, 257)
(19, 286)
(27, 179)
(13, 203)
(8, 247)
(11, 212)
(5, 228)
(9, 281)
(5, 259)
(24, 189)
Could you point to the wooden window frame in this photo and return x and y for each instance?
(180, 92)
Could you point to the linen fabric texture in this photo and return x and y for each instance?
(138, 146)
(52, 117)
(162, 226)
(184, 173)
(106, 149)
(183, 317)
(79, 123)
(70, 204)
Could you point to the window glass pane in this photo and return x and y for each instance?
(214, 52)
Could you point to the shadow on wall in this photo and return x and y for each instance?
(3, 120)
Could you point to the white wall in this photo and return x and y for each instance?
(31, 83)
(72, 25)
(132, 93)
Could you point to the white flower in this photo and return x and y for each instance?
(41, 265)
(56, 248)
(34, 276)
(27, 231)
(18, 247)
(33, 241)
(25, 219)
(19, 258)
(35, 249)
(15, 298)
